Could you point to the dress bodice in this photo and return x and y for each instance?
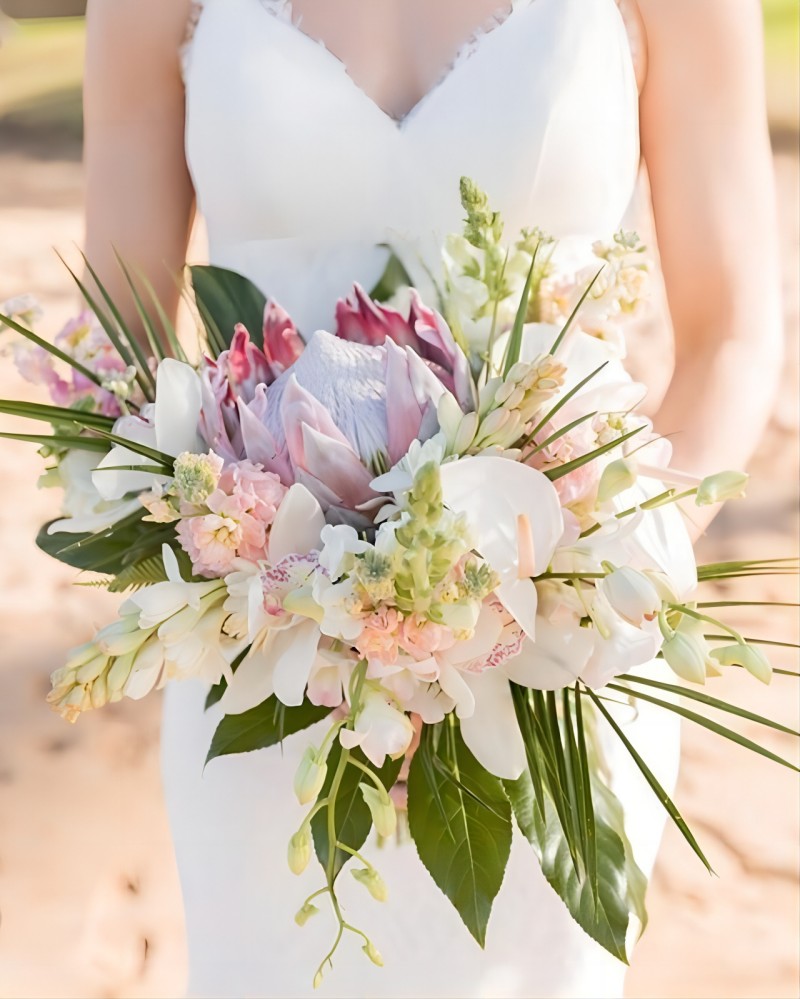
(303, 179)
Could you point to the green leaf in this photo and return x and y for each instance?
(651, 779)
(264, 725)
(111, 550)
(352, 817)
(603, 913)
(74, 442)
(394, 277)
(712, 702)
(55, 414)
(566, 328)
(514, 347)
(460, 820)
(224, 299)
(707, 723)
(571, 466)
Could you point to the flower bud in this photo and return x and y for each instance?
(382, 810)
(632, 595)
(373, 953)
(687, 653)
(373, 882)
(721, 487)
(299, 850)
(753, 660)
(317, 979)
(616, 478)
(303, 915)
(310, 775)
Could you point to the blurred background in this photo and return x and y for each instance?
(89, 899)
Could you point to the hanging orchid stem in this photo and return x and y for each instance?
(709, 620)
(372, 776)
(355, 853)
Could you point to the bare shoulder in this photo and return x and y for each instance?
(136, 43)
(634, 25)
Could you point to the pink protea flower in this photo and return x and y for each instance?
(359, 319)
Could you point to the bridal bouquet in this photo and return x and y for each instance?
(448, 535)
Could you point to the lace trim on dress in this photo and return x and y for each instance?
(283, 10)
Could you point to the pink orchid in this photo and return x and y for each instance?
(359, 319)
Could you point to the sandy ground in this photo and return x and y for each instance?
(89, 897)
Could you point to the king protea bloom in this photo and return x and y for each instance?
(362, 320)
(340, 413)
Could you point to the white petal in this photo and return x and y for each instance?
(297, 525)
(177, 408)
(554, 660)
(454, 685)
(626, 648)
(520, 599)
(294, 651)
(494, 493)
(491, 732)
(251, 683)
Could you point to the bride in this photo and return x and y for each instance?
(312, 134)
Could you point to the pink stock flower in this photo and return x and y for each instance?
(241, 510)
(84, 339)
(359, 319)
(380, 637)
(422, 638)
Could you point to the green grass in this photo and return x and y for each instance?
(41, 64)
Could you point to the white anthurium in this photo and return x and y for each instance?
(264, 601)
(515, 515)
(169, 425)
(85, 510)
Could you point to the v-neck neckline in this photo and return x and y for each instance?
(282, 11)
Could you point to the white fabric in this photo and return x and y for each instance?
(299, 175)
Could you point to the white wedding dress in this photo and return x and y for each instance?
(301, 177)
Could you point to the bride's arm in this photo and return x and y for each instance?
(139, 196)
(706, 146)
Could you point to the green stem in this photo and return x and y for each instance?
(710, 620)
(373, 777)
(354, 853)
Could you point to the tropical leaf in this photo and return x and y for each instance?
(109, 551)
(74, 442)
(145, 573)
(394, 277)
(603, 911)
(460, 820)
(707, 723)
(650, 777)
(265, 725)
(224, 299)
(55, 414)
(50, 348)
(352, 817)
(584, 459)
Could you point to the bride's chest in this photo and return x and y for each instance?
(541, 111)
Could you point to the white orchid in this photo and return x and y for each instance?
(380, 728)
(168, 425)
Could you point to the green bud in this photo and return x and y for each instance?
(616, 478)
(381, 807)
(299, 850)
(373, 953)
(753, 660)
(304, 914)
(721, 487)
(310, 775)
(317, 979)
(372, 881)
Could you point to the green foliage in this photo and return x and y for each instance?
(224, 299)
(394, 277)
(460, 820)
(265, 725)
(111, 551)
(574, 822)
(352, 817)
